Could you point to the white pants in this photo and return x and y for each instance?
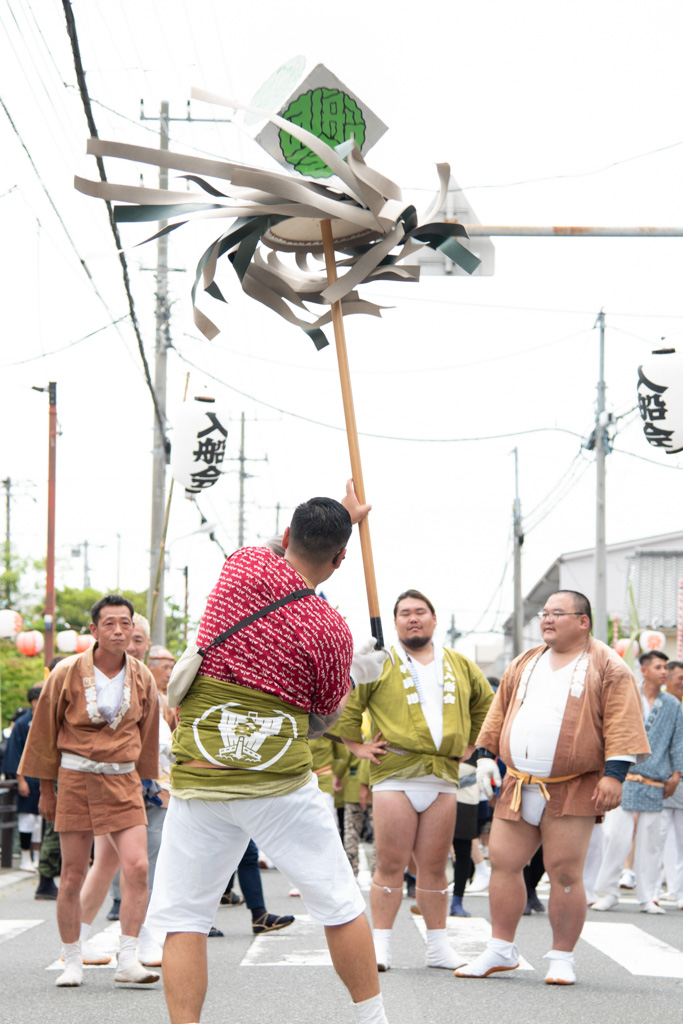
(618, 835)
(672, 850)
(204, 840)
(591, 867)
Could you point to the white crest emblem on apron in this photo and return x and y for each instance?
(243, 735)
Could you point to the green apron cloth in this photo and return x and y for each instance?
(259, 737)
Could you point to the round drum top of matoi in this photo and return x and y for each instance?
(304, 234)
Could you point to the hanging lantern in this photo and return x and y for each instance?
(10, 622)
(30, 643)
(652, 640)
(66, 641)
(198, 449)
(660, 399)
(621, 646)
(83, 642)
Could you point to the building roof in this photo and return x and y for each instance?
(654, 576)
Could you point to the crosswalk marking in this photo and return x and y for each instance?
(467, 935)
(296, 946)
(636, 950)
(11, 929)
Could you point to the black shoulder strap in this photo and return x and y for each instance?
(294, 596)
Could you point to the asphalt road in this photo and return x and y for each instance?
(286, 977)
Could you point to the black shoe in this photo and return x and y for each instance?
(231, 899)
(533, 906)
(47, 890)
(410, 885)
(270, 923)
(113, 914)
(215, 933)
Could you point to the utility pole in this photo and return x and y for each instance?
(86, 567)
(243, 475)
(518, 616)
(49, 614)
(601, 448)
(7, 484)
(452, 633)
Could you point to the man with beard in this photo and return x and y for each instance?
(428, 704)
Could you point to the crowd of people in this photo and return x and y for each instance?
(288, 738)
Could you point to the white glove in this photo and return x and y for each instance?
(488, 775)
(367, 662)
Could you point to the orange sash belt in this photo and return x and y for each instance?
(327, 770)
(524, 779)
(641, 778)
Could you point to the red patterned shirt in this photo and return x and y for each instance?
(301, 652)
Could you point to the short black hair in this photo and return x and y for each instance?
(417, 595)
(111, 599)
(582, 605)
(673, 665)
(320, 529)
(34, 692)
(647, 656)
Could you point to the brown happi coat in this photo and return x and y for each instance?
(603, 720)
(67, 719)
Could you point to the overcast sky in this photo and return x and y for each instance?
(548, 114)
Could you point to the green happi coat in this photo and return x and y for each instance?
(396, 712)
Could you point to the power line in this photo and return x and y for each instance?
(71, 344)
(85, 98)
(380, 437)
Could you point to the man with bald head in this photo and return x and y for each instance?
(567, 723)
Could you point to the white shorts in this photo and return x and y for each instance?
(204, 840)
(421, 792)
(32, 823)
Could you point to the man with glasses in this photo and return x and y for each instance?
(568, 725)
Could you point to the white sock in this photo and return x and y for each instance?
(127, 952)
(370, 1011)
(71, 952)
(439, 951)
(560, 954)
(381, 938)
(85, 931)
(501, 946)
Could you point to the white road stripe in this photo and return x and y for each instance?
(468, 936)
(302, 944)
(634, 949)
(12, 877)
(11, 929)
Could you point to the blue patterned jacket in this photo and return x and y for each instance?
(664, 730)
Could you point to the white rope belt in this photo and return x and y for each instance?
(76, 763)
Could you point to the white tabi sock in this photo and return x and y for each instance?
(85, 931)
(128, 952)
(501, 946)
(71, 951)
(370, 1011)
(439, 951)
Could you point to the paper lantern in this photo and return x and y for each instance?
(30, 643)
(83, 642)
(660, 399)
(198, 449)
(652, 640)
(10, 622)
(621, 646)
(66, 641)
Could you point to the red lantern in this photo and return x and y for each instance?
(621, 646)
(30, 643)
(83, 642)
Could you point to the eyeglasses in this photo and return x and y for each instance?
(544, 616)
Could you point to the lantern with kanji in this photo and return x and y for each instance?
(652, 640)
(198, 449)
(66, 641)
(660, 399)
(10, 622)
(30, 643)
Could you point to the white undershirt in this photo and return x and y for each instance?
(431, 698)
(109, 693)
(536, 728)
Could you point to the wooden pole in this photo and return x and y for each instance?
(352, 435)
